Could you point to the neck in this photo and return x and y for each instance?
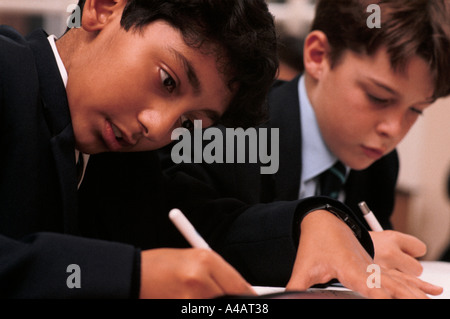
(70, 45)
(310, 85)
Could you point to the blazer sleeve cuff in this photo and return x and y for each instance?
(340, 210)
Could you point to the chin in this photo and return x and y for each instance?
(361, 165)
(90, 148)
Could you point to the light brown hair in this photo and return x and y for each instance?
(408, 28)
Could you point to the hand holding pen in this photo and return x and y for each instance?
(393, 249)
(225, 279)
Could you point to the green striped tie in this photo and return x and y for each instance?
(332, 180)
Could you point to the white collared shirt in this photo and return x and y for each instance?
(316, 156)
(62, 70)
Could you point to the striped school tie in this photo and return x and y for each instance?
(332, 180)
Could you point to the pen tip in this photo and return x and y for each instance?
(364, 208)
(174, 212)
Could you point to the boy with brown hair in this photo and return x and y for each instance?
(367, 87)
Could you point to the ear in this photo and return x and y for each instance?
(316, 54)
(98, 13)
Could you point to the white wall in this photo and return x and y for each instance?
(294, 15)
(35, 6)
(425, 163)
(54, 12)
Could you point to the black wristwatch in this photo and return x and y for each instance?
(339, 214)
(341, 211)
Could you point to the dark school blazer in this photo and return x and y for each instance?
(39, 222)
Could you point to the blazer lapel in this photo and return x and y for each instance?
(285, 115)
(56, 110)
(64, 153)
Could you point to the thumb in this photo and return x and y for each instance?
(302, 279)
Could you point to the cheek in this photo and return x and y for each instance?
(117, 90)
(116, 100)
(347, 126)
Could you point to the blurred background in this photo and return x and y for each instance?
(423, 199)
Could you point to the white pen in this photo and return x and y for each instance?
(370, 217)
(187, 229)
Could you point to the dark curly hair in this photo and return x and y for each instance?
(242, 33)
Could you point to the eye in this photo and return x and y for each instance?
(420, 112)
(168, 82)
(377, 100)
(186, 123)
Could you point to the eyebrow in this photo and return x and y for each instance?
(383, 86)
(392, 91)
(190, 71)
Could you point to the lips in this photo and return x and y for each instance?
(373, 153)
(117, 132)
(114, 138)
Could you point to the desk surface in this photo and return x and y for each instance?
(435, 272)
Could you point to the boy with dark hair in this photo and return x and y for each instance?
(132, 73)
(362, 90)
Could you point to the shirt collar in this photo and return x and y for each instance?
(64, 76)
(62, 69)
(316, 157)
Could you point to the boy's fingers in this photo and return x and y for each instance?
(229, 280)
(412, 246)
(410, 265)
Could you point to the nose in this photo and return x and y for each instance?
(392, 125)
(156, 125)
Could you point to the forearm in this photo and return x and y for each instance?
(38, 267)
